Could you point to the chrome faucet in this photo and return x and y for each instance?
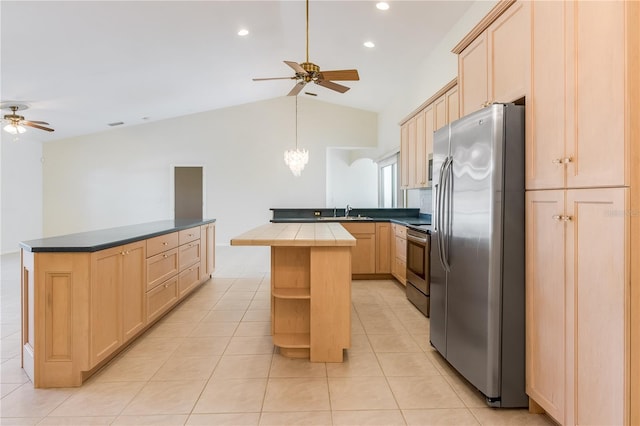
(347, 210)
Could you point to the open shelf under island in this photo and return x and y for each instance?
(310, 287)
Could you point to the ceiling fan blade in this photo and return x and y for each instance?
(297, 88)
(39, 122)
(274, 78)
(296, 67)
(351, 75)
(36, 126)
(333, 86)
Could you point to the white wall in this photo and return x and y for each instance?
(122, 176)
(21, 189)
(350, 182)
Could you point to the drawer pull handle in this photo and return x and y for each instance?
(562, 218)
(165, 244)
(166, 285)
(165, 256)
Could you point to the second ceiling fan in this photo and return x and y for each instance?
(307, 72)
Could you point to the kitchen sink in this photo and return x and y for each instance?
(343, 218)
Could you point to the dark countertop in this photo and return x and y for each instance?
(106, 238)
(404, 217)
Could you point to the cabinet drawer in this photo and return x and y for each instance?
(400, 231)
(161, 267)
(401, 248)
(188, 278)
(188, 254)
(161, 243)
(161, 298)
(360, 228)
(187, 235)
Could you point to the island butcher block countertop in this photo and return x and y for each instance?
(296, 234)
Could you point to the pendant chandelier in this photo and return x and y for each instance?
(296, 159)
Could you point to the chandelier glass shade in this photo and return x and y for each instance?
(296, 159)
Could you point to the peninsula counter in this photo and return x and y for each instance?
(310, 287)
(86, 296)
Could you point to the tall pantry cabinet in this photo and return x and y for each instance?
(582, 181)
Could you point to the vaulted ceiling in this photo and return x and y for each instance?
(80, 65)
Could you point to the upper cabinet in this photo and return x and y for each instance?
(416, 135)
(578, 114)
(493, 64)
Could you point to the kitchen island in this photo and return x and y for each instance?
(310, 287)
(86, 296)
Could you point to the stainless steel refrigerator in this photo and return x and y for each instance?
(477, 251)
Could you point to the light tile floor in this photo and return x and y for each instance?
(211, 362)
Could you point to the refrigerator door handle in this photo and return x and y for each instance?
(438, 210)
(444, 216)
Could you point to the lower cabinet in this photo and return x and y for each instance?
(363, 255)
(81, 308)
(116, 298)
(383, 248)
(399, 252)
(577, 304)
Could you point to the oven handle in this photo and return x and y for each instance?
(415, 239)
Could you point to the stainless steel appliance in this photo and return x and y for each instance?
(477, 251)
(418, 269)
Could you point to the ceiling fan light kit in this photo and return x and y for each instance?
(308, 72)
(16, 123)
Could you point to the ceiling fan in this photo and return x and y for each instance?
(16, 122)
(307, 72)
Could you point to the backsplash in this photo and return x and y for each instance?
(420, 198)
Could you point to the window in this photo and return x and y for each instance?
(388, 185)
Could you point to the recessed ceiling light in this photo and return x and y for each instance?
(243, 32)
(382, 5)
(369, 44)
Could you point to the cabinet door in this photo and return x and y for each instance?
(428, 137)
(363, 254)
(134, 281)
(440, 112)
(545, 109)
(413, 147)
(453, 104)
(404, 156)
(508, 41)
(545, 300)
(597, 305)
(207, 264)
(597, 68)
(473, 75)
(421, 154)
(106, 305)
(383, 248)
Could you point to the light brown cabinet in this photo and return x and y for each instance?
(117, 298)
(494, 66)
(79, 308)
(371, 256)
(581, 195)
(383, 248)
(577, 114)
(208, 259)
(363, 255)
(399, 252)
(576, 304)
(416, 135)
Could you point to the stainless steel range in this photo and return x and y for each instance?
(418, 246)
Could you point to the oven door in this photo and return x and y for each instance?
(417, 246)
